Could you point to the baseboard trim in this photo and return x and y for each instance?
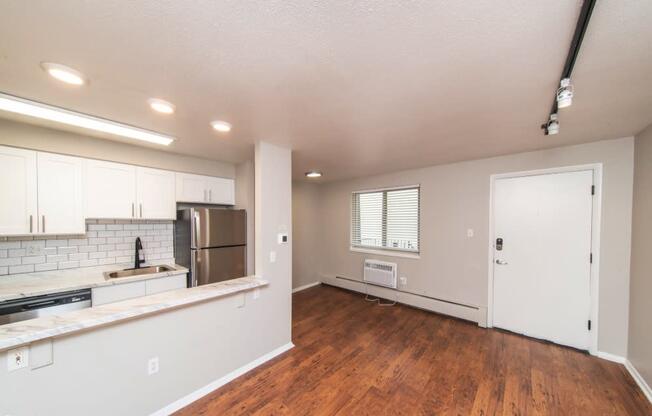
(304, 287)
(638, 378)
(611, 357)
(198, 394)
(466, 312)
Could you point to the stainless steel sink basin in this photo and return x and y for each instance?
(138, 272)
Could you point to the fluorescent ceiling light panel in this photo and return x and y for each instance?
(46, 112)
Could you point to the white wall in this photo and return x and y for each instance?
(455, 197)
(17, 134)
(245, 199)
(640, 306)
(306, 224)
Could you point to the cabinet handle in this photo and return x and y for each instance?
(43, 228)
(31, 223)
(141, 210)
(210, 195)
(133, 210)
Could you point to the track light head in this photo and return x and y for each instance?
(552, 126)
(565, 93)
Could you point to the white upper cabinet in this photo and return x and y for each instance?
(204, 189)
(221, 191)
(155, 194)
(191, 188)
(110, 190)
(60, 194)
(18, 207)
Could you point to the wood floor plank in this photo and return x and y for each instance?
(355, 358)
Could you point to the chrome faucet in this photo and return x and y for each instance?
(137, 255)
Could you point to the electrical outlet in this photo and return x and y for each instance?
(18, 358)
(272, 257)
(403, 280)
(152, 366)
(256, 293)
(470, 233)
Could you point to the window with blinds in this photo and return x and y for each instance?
(386, 219)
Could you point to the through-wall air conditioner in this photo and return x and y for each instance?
(380, 273)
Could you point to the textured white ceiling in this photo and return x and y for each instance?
(355, 88)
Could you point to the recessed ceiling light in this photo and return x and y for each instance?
(64, 73)
(47, 112)
(161, 106)
(313, 174)
(221, 126)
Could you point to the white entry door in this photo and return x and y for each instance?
(542, 271)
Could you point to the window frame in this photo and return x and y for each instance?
(385, 251)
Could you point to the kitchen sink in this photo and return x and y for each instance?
(138, 272)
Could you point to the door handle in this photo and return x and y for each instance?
(133, 210)
(210, 195)
(43, 227)
(205, 197)
(141, 210)
(501, 262)
(31, 223)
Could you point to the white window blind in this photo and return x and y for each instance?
(386, 219)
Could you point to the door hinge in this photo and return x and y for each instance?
(589, 324)
(591, 258)
(592, 189)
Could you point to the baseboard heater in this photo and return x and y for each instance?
(455, 309)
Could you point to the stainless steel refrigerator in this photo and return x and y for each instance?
(212, 243)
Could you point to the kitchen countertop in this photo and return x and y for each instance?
(25, 332)
(42, 283)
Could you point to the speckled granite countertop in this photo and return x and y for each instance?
(43, 283)
(24, 332)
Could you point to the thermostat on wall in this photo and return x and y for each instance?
(282, 238)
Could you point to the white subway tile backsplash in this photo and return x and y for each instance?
(44, 267)
(17, 252)
(33, 259)
(105, 242)
(26, 268)
(68, 265)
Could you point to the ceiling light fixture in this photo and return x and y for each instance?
(565, 93)
(313, 174)
(47, 112)
(161, 106)
(552, 127)
(64, 73)
(221, 126)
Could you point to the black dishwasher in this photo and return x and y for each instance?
(21, 309)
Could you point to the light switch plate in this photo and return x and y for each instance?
(403, 280)
(152, 366)
(17, 358)
(470, 233)
(282, 238)
(272, 257)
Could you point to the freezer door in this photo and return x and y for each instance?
(212, 265)
(219, 227)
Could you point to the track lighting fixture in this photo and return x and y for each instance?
(552, 126)
(565, 93)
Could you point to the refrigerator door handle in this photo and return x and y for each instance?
(193, 268)
(195, 229)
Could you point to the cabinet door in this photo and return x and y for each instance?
(17, 191)
(155, 190)
(60, 192)
(191, 188)
(221, 191)
(110, 190)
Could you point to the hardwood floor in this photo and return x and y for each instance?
(355, 358)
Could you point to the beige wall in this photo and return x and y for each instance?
(306, 221)
(29, 136)
(455, 197)
(640, 306)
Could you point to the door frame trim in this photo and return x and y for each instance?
(596, 168)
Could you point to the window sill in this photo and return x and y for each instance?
(388, 253)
